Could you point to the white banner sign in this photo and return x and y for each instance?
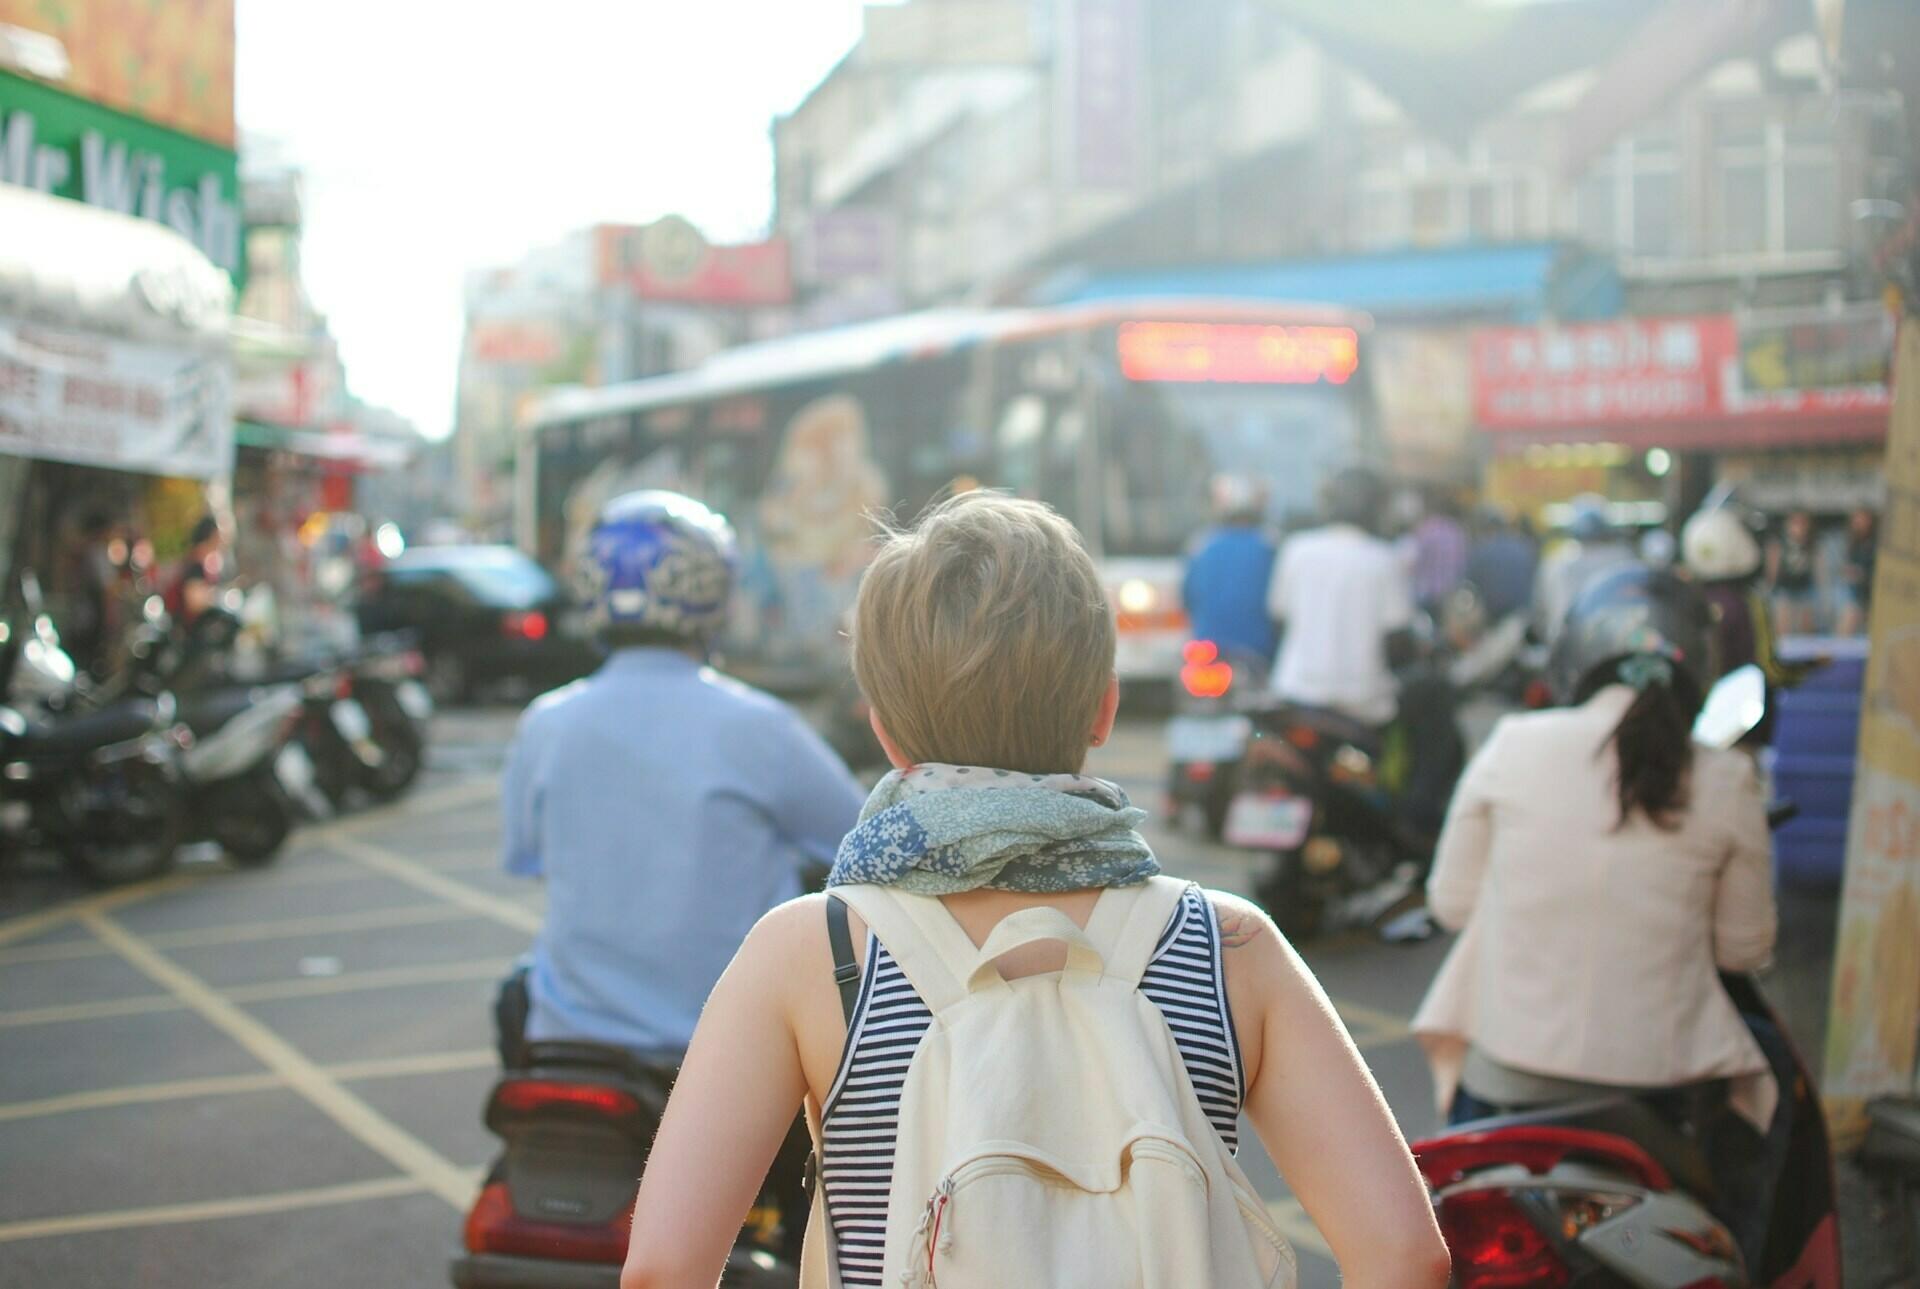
(69, 396)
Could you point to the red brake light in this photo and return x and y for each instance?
(343, 685)
(1304, 737)
(1446, 1160)
(1538, 695)
(1496, 1246)
(1204, 675)
(494, 1226)
(531, 625)
(523, 1096)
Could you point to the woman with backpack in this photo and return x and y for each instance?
(1023, 1052)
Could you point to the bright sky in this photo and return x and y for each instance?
(439, 136)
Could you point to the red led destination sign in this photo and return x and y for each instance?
(1238, 353)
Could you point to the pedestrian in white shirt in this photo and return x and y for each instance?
(1342, 597)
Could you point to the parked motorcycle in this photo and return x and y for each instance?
(104, 789)
(1349, 815)
(247, 781)
(556, 1209)
(1207, 736)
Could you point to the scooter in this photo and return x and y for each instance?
(1348, 817)
(1605, 1192)
(1208, 734)
(247, 781)
(556, 1209)
(104, 789)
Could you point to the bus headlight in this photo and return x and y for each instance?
(1137, 596)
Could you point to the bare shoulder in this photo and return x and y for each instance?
(1241, 921)
(786, 935)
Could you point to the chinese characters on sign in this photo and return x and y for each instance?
(1650, 371)
(1632, 370)
(71, 397)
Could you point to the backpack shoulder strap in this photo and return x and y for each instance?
(846, 971)
(923, 938)
(1128, 922)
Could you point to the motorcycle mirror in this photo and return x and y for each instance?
(1735, 706)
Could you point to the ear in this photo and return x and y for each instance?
(887, 745)
(1104, 716)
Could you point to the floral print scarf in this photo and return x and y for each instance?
(939, 829)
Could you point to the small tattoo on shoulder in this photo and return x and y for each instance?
(1237, 927)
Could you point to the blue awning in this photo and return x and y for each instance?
(1518, 283)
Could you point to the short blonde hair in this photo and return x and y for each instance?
(982, 636)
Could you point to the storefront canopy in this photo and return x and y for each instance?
(348, 448)
(63, 264)
(1515, 283)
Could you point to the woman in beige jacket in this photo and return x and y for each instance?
(1603, 868)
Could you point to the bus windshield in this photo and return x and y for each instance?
(1167, 442)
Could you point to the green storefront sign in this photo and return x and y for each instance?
(59, 144)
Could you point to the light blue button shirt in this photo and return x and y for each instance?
(667, 807)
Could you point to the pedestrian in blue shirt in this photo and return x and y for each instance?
(666, 806)
(1502, 564)
(1225, 587)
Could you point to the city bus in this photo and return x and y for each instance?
(1118, 415)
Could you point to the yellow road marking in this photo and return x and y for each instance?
(89, 1011)
(394, 1067)
(207, 1210)
(421, 877)
(1297, 1226)
(353, 982)
(31, 924)
(428, 1168)
(432, 973)
(239, 932)
(235, 1084)
(1381, 1025)
(141, 1094)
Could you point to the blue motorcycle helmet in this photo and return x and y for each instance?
(659, 566)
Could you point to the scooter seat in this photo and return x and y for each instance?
(1624, 1117)
(204, 711)
(70, 735)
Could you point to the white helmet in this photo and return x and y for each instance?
(1718, 546)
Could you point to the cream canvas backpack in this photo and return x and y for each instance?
(1050, 1137)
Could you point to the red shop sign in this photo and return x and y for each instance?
(1639, 370)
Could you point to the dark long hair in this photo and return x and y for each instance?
(1654, 746)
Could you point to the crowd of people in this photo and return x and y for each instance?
(987, 825)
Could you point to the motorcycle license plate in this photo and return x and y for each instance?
(414, 699)
(351, 720)
(1261, 822)
(1192, 739)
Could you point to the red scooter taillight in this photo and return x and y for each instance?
(1202, 673)
(494, 1226)
(525, 1096)
(1495, 1245)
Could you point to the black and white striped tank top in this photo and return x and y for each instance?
(862, 1116)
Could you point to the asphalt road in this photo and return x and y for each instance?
(274, 1078)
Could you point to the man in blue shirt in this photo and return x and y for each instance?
(1502, 565)
(666, 806)
(1225, 587)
